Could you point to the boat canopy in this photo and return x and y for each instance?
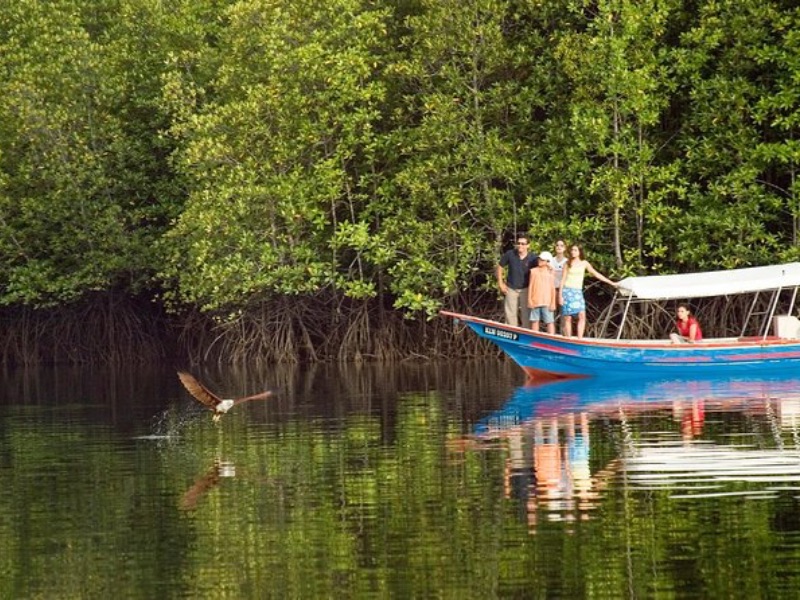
(712, 283)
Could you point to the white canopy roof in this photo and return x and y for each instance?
(712, 283)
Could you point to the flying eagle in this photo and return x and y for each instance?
(209, 399)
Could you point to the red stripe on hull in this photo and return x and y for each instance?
(556, 349)
(761, 356)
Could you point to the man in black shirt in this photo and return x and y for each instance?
(514, 285)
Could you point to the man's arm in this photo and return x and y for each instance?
(501, 282)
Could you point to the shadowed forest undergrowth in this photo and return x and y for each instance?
(116, 330)
(107, 330)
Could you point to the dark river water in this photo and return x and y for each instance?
(405, 481)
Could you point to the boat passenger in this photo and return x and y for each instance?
(571, 297)
(514, 285)
(557, 264)
(688, 327)
(542, 294)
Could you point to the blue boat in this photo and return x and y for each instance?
(774, 349)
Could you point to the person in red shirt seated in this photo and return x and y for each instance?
(688, 327)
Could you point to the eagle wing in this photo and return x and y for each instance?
(260, 396)
(198, 390)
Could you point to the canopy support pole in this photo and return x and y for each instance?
(771, 312)
(749, 314)
(794, 297)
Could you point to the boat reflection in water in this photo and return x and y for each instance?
(693, 438)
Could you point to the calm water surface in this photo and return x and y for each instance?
(411, 481)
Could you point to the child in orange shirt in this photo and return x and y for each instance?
(542, 294)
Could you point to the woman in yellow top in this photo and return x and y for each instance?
(571, 294)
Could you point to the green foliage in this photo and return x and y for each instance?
(82, 187)
(274, 201)
(740, 206)
(455, 188)
(223, 153)
(617, 67)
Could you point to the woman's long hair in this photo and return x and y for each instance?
(581, 256)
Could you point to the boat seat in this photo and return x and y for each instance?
(786, 327)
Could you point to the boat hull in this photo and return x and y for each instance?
(543, 356)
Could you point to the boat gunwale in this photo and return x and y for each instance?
(661, 344)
